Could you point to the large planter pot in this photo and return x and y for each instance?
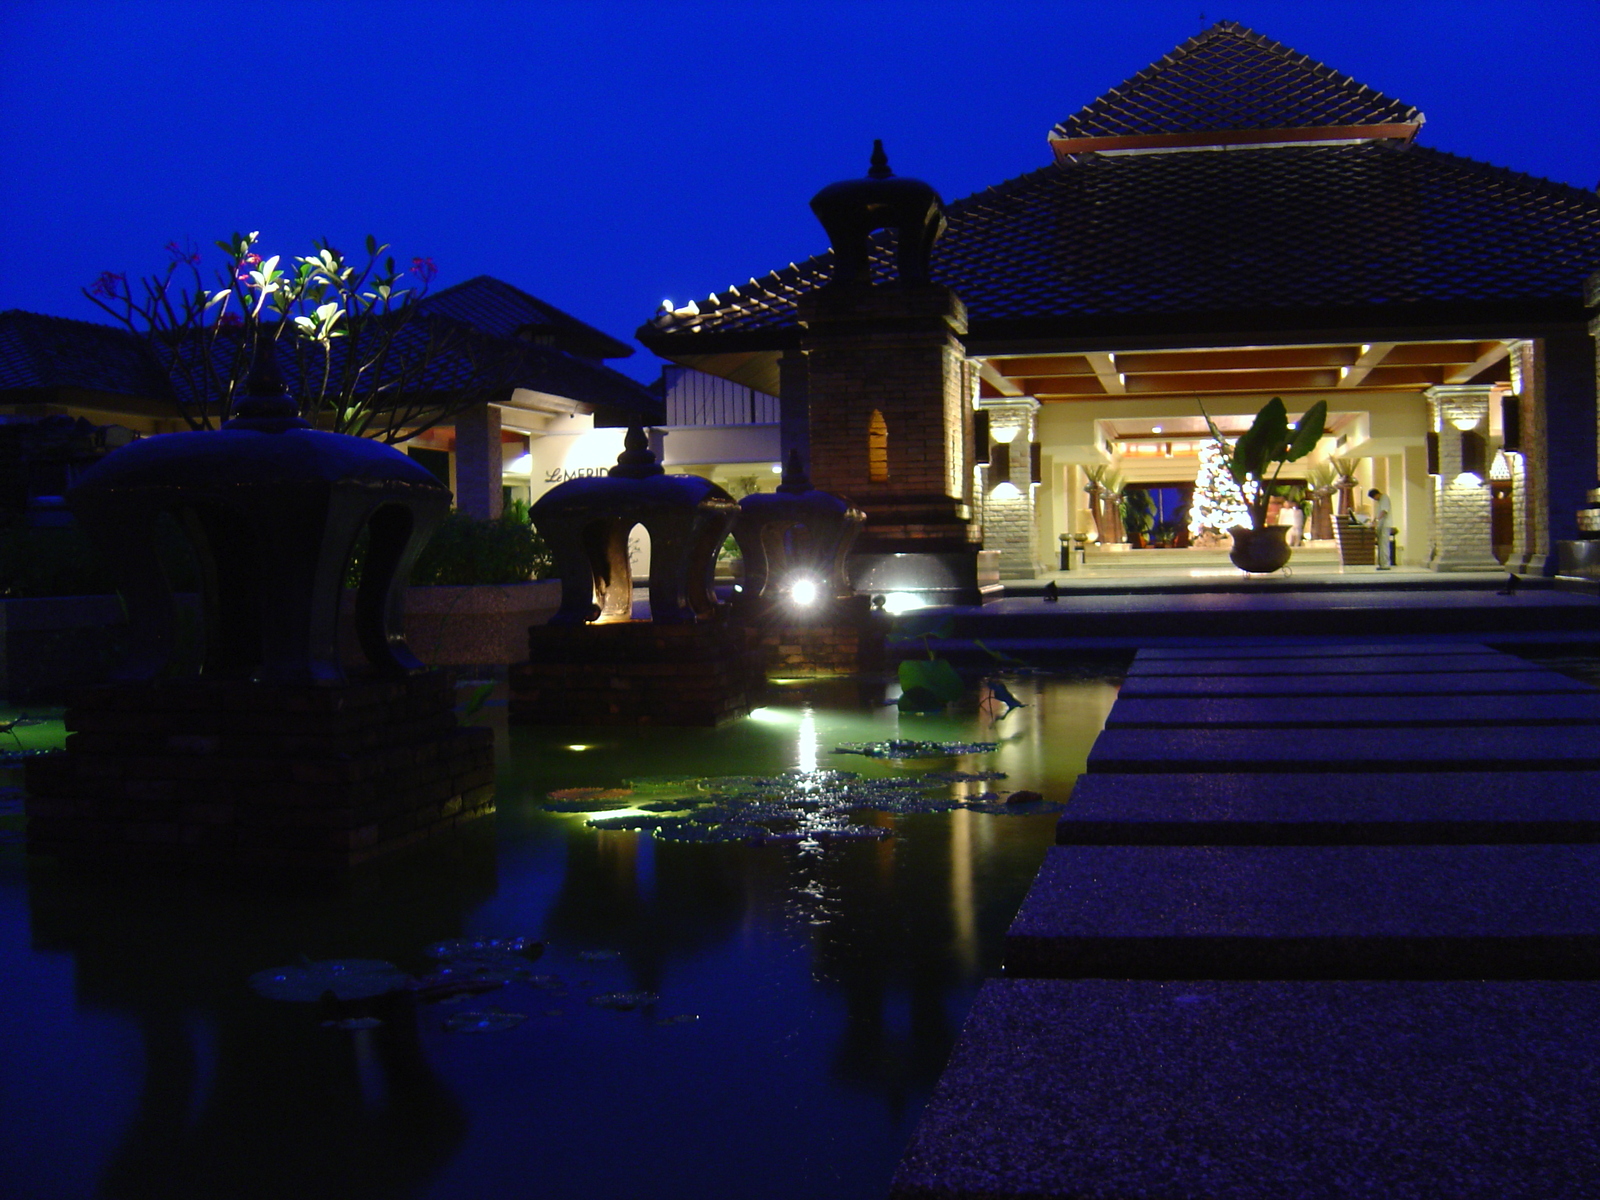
(483, 625)
(1260, 551)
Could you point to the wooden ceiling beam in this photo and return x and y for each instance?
(1489, 353)
(1041, 364)
(1107, 372)
(1387, 376)
(1002, 386)
(1369, 357)
(1435, 354)
(1208, 383)
(1088, 385)
(1265, 359)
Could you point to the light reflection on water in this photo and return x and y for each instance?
(829, 983)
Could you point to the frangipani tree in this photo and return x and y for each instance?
(350, 341)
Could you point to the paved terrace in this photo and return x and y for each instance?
(1172, 603)
(1320, 922)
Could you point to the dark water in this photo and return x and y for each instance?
(826, 983)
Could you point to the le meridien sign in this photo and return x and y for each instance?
(562, 474)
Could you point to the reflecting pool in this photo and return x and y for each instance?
(799, 996)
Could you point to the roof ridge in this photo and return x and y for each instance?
(1264, 85)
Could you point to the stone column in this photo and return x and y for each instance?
(479, 462)
(794, 430)
(1008, 499)
(1460, 499)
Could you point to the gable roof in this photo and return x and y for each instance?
(497, 308)
(1231, 85)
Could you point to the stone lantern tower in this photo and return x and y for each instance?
(887, 389)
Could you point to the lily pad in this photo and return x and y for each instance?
(481, 948)
(346, 978)
(492, 1021)
(624, 1001)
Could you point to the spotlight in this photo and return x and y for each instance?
(803, 592)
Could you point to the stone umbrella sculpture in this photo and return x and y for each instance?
(586, 523)
(793, 533)
(269, 759)
(273, 509)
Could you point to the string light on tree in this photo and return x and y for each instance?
(1216, 506)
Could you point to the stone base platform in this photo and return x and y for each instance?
(1310, 912)
(1115, 1089)
(638, 673)
(234, 774)
(1332, 808)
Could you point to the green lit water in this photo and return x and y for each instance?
(809, 993)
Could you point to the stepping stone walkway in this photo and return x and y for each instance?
(1315, 942)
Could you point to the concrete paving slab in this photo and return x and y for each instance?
(1527, 682)
(1571, 748)
(1310, 912)
(1369, 712)
(1363, 664)
(1333, 808)
(1313, 648)
(1119, 1090)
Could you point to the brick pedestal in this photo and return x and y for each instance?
(889, 401)
(637, 673)
(846, 638)
(238, 774)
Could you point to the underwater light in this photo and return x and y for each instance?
(577, 747)
(896, 603)
(772, 716)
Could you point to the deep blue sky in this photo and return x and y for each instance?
(608, 154)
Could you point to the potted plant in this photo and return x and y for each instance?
(1254, 463)
(1105, 503)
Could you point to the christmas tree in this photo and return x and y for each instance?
(1217, 506)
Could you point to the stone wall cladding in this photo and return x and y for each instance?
(1009, 524)
(1461, 525)
(226, 774)
(638, 673)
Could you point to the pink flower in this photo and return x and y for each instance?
(230, 320)
(424, 269)
(181, 254)
(109, 285)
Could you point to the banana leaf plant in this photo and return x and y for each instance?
(1268, 445)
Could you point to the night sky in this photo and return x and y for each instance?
(607, 155)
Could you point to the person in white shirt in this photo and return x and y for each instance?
(1383, 526)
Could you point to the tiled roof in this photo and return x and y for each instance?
(1230, 78)
(1347, 227)
(37, 351)
(43, 352)
(497, 308)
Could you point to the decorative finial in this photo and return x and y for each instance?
(266, 406)
(880, 161)
(636, 461)
(795, 479)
